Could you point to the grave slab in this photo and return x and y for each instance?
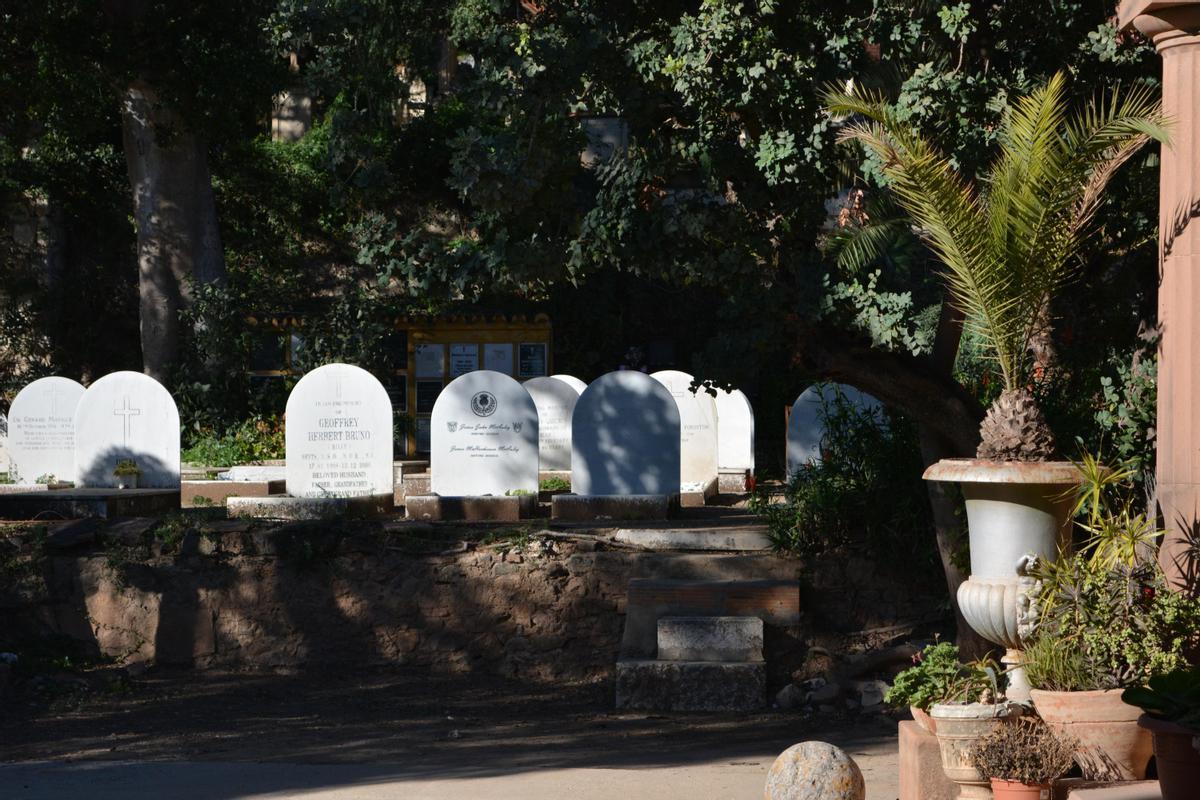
(591, 508)
(921, 773)
(127, 415)
(735, 432)
(734, 481)
(433, 508)
(698, 434)
(255, 473)
(752, 537)
(309, 508)
(625, 437)
(41, 430)
(339, 435)
(728, 639)
(776, 602)
(483, 437)
(83, 503)
(555, 401)
(1080, 789)
(199, 494)
(690, 685)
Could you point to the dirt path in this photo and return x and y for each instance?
(397, 734)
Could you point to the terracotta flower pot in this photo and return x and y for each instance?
(1012, 790)
(1177, 757)
(923, 720)
(1111, 745)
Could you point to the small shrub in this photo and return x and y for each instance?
(1174, 696)
(258, 438)
(126, 466)
(555, 484)
(866, 490)
(1024, 750)
(939, 677)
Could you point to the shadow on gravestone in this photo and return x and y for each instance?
(127, 415)
(555, 400)
(625, 437)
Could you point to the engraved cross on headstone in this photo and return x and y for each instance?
(126, 413)
(54, 394)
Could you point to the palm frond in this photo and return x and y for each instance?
(1011, 242)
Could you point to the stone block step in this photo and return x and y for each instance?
(1080, 789)
(588, 508)
(690, 685)
(775, 602)
(725, 639)
(721, 540)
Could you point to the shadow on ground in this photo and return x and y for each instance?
(410, 726)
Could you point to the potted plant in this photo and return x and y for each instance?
(1022, 759)
(937, 676)
(1008, 242)
(1106, 621)
(964, 704)
(126, 472)
(1172, 705)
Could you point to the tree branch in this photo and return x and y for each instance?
(929, 396)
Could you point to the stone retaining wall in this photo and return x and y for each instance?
(303, 595)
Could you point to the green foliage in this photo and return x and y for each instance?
(1010, 243)
(555, 484)
(1107, 628)
(1024, 750)
(1173, 696)
(865, 490)
(1127, 416)
(937, 676)
(126, 466)
(258, 438)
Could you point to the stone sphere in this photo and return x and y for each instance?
(814, 771)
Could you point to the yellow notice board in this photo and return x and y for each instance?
(427, 353)
(442, 348)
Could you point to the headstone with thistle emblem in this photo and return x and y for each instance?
(484, 438)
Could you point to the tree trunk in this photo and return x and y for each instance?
(178, 239)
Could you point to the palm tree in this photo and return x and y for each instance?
(1012, 240)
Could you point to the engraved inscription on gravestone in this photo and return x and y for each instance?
(555, 402)
(42, 430)
(339, 434)
(484, 437)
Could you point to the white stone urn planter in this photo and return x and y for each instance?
(1015, 509)
(959, 727)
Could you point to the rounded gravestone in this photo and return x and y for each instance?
(735, 431)
(807, 424)
(127, 415)
(41, 430)
(814, 771)
(572, 381)
(338, 434)
(697, 431)
(555, 401)
(484, 437)
(625, 437)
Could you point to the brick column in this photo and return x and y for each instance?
(1174, 27)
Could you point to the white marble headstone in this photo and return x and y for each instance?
(41, 430)
(698, 430)
(735, 431)
(806, 426)
(484, 437)
(625, 437)
(4, 444)
(572, 381)
(555, 401)
(127, 415)
(338, 434)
